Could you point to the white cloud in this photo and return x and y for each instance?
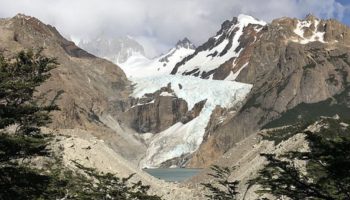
(161, 22)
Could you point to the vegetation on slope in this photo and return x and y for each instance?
(321, 172)
(221, 188)
(308, 112)
(327, 170)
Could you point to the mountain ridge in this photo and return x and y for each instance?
(88, 89)
(286, 69)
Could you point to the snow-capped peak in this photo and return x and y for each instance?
(245, 20)
(232, 39)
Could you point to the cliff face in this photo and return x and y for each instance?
(88, 90)
(156, 112)
(294, 62)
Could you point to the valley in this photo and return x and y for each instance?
(218, 103)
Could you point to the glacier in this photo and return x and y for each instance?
(181, 139)
(150, 75)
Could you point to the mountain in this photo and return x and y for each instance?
(299, 70)
(117, 50)
(139, 66)
(221, 56)
(89, 90)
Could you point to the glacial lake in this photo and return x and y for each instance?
(173, 174)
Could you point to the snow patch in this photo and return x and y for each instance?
(166, 94)
(232, 76)
(316, 36)
(141, 104)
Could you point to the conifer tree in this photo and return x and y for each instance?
(221, 188)
(327, 173)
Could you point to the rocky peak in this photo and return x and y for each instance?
(312, 29)
(32, 24)
(241, 20)
(185, 43)
(311, 17)
(30, 32)
(226, 26)
(22, 16)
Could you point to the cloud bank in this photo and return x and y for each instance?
(158, 24)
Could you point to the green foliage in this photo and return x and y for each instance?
(222, 188)
(281, 134)
(21, 182)
(310, 66)
(18, 79)
(327, 173)
(22, 146)
(87, 183)
(58, 182)
(308, 112)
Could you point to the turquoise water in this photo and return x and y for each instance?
(173, 174)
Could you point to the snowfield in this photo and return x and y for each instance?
(181, 139)
(139, 66)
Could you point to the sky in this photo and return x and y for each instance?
(159, 24)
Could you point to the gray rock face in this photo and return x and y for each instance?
(285, 73)
(155, 113)
(117, 50)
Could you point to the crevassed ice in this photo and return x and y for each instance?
(181, 139)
